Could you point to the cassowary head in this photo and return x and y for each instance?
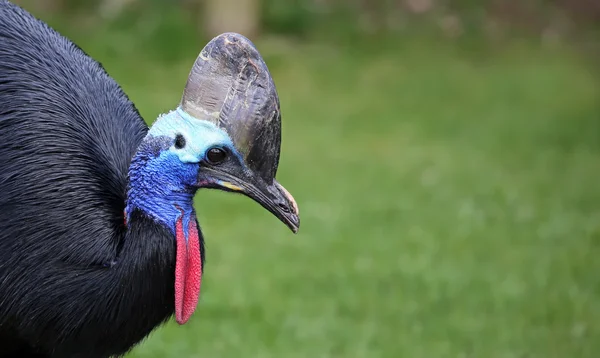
(225, 134)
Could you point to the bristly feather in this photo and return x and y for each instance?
(74, 282)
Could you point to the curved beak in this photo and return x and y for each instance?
(273, 197)
(277, 200)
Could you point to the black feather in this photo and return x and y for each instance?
(73, 281)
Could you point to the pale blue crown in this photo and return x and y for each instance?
(199, 134)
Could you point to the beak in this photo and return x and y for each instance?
(277, 200)
(273, 197)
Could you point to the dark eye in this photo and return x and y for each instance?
(179, 141)
(216, 155)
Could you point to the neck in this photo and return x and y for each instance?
(150, 192)
(165, 208)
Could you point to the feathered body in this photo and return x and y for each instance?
(99, 241)
(67, 136)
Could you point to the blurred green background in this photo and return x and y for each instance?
(445, 156)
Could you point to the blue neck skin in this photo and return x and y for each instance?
(152, 188)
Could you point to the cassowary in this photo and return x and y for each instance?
(99, 241)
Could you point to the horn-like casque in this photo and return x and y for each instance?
(230, 86)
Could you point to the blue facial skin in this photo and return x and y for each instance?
(162, 178)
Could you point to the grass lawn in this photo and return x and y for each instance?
(450, 207)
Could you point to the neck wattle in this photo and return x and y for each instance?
(174, 210)
(188, 267)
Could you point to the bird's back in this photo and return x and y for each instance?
(67, 135)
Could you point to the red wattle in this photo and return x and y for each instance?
(188, 271)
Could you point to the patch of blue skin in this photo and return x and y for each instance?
(162, 178)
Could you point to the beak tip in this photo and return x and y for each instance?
(294, 223)
(293, 220)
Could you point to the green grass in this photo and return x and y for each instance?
(450, 207)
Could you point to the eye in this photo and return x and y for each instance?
(216, 155)
(179, 141)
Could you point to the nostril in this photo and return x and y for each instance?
(284, 208)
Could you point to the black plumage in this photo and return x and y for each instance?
(77, 277)
(67, 136)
